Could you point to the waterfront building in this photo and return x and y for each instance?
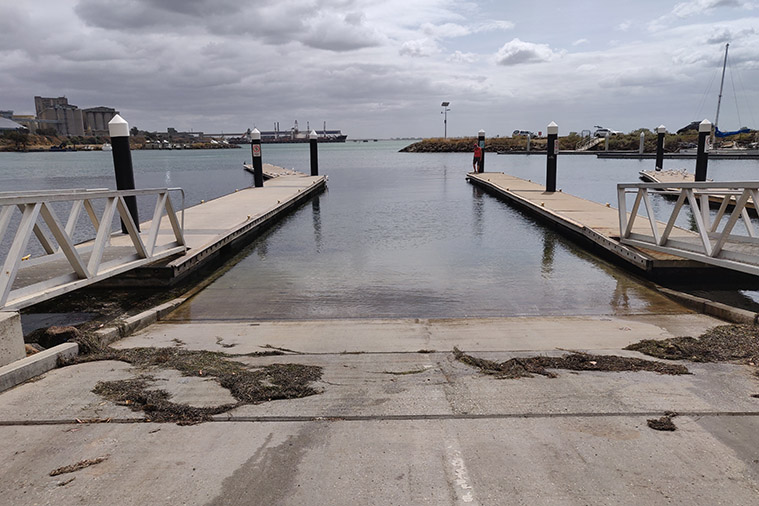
(68, 120)
(96, 120)
(43, 103)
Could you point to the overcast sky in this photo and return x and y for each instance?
(381, 68)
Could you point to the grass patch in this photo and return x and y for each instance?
(529, 366)
(247, 386)
(719, 344)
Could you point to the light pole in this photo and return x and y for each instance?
(444, 112)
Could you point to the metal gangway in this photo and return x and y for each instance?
(65, 264)
(590, 143)
(712, 240)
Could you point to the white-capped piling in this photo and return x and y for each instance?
(642, 145)
(552, 152)
(258, 166)
(118, 129)
(481, 143)
(661, 131)
(313, 139)
(702, 157)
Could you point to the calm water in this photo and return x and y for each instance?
(395, 235)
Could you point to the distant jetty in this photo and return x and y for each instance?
(466, 144)
(291, 136)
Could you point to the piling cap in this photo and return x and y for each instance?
(118, 127)
(705, 126)
(313, 135)
(481, 133)
(661, 129)
(255, 134)
(553, 128)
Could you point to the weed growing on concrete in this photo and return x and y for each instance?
(528, 366)
(719, 344)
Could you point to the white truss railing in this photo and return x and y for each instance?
(66, 265)
(713, 242)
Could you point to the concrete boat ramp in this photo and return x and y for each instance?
(396, 420)
(394, 417)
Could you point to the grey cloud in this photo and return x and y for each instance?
(322, 25)
(142, 14)
(698, 6)
(641, 78)
(124, 15)
(695, 7)
(195, 7)
(720, 35)
(340, 33)
(15, 27)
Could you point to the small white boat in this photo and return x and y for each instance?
(107, 147)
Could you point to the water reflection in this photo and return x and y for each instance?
(549, 247)
(316, 213)
(478, 210)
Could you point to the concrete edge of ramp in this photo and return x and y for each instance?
(22, 370)
(711, 308)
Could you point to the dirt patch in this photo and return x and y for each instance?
(247, 385)
(529, 366)
(719, 344)
(664, 423)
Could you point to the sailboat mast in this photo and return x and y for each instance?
(721, 86)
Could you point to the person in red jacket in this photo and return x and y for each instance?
(477, 156)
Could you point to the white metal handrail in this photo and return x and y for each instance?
(63, 267)
(713, 241)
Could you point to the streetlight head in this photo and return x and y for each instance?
(445, 104)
